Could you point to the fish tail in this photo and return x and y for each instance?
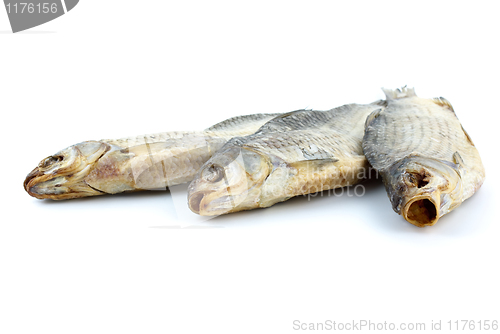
(394, 94)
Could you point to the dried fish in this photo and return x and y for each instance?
(427, 161)
(136, 163)
(298, 153)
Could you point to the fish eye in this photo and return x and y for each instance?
(416, 179)
(47, 162)
(214, 173)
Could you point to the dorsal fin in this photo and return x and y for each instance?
(241, 122)
(382, 103)
(287, 114)
(441, 101)
(394, 94)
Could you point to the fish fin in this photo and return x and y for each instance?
(311, 152)
(240, 122)
(457, 159)
(382, 103)
(372, 116)
(394, 94)
(467, 136)
(290, 121)
(441, 101)
(315, 155)
(312, 163)
(290, 113)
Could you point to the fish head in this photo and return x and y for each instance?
(422, 189)
(229, 181)
(62, 175)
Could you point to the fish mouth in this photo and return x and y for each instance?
(208, 204)
(30, 181)
(62, 176)
(36, 186)
(422, 210)
(194, 202)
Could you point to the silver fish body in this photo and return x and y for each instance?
(301, 152)
(428, 162)
(153, 161)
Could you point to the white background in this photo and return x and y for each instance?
(127, 264)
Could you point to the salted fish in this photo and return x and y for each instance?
(111, 166)
(427, 160)
(298, 153)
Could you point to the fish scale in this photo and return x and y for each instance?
(427, 161)
(235, 126)
(134, 163)
(293, 154)
(404, 140)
